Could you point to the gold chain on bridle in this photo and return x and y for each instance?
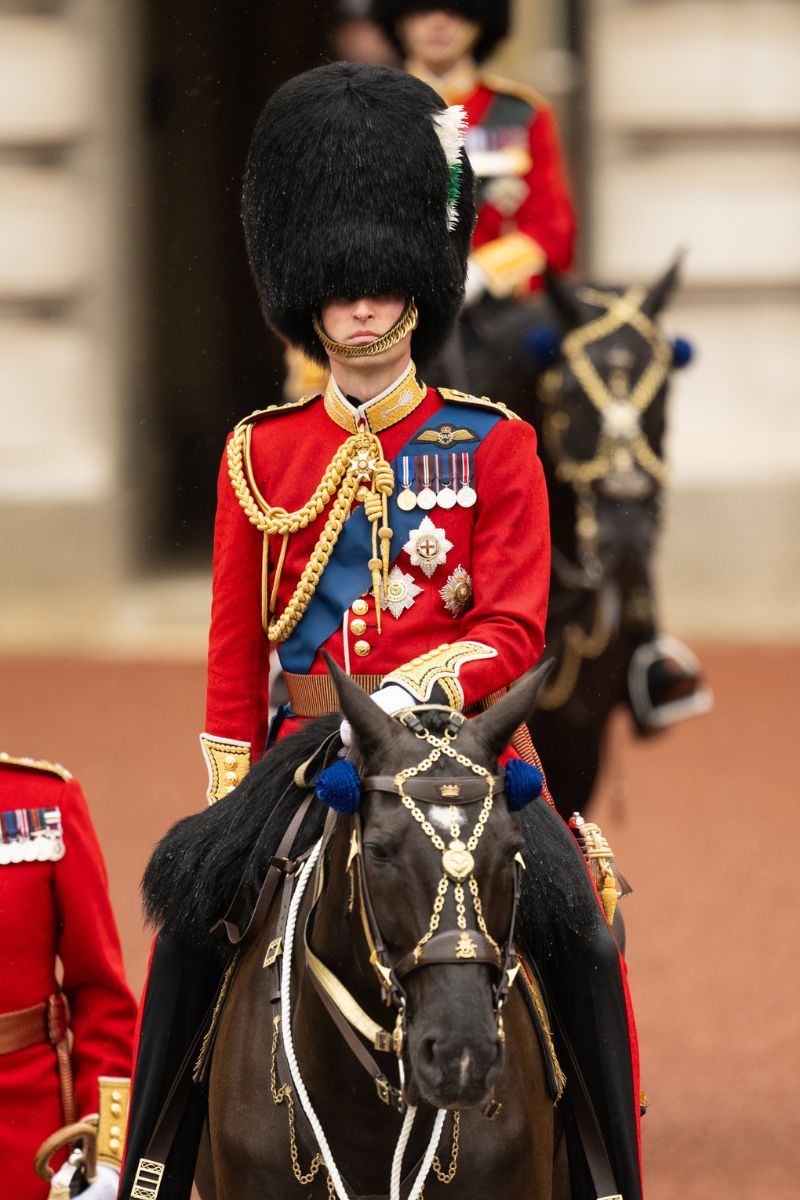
(458, 860)
(357, 472)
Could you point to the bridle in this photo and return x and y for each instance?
(458, 946)
(623, 461)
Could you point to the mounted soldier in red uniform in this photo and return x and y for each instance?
(399, 528)
(65, 1047)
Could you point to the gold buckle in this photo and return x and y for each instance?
(383, 1041)
(148, 1179)
(382, 1088)
(274, 951)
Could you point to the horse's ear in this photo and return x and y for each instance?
(572, 311)
(497, 726)
(659, 294)
(371, 726)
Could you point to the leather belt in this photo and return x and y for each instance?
(23, 1028)
(316, 696)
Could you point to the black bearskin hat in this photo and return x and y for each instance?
(353, 189)
(493, 16)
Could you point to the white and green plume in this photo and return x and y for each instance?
(451, 128)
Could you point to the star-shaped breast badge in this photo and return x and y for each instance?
(427, 547)
(401, 592)
(457, 592)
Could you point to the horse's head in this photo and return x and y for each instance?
(436, 856)
(603, 423)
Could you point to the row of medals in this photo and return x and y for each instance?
(38, 845)
(443, 495)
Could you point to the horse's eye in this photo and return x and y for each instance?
(378, 852)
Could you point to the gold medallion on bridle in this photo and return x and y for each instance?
(457, 861)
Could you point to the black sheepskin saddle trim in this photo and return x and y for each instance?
(197, 867)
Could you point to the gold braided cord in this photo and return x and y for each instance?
(404, 325)
(358, 471)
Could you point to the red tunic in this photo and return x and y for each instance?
(50, 909)
(504, 118)
(502, 543)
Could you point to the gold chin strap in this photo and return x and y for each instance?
(402, 327)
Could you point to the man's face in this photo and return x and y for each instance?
(357, 322)
(438, 39)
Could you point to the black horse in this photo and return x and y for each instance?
(596, 390)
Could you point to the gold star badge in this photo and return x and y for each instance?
(457, 592)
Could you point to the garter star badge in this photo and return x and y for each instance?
(401, 592)
(457, 592)
(427, 547)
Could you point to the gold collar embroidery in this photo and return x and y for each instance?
(384, 411)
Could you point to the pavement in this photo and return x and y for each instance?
(703, 823)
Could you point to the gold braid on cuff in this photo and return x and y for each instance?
(403, 326)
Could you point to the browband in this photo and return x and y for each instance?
(445, 790)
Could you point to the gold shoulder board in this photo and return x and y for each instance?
(274, 409)
(511, 88)
(477, 402)
(35, 764)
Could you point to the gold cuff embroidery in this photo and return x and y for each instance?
(508, 261)
(441, 666)
(228, 762)
(114, 1099)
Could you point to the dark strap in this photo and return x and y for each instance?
(436, 791)
(228, 926)
(589, 1131)
(450, 946)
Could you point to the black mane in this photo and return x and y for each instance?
(196, 868)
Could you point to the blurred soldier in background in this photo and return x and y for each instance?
(357, 37)
(525, 217)
(57, 1041)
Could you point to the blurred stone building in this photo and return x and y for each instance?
(130, 337)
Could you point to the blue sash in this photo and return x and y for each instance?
(346, 577)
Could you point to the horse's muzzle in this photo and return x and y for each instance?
(454, 1072)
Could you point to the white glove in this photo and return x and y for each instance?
(104, 1187)
(476, 283)
(391, 699)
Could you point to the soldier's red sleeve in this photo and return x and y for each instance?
(238, 651)
(503, 633)
(102, 1007)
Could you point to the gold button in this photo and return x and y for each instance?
(358, 626)
(230, 760)
(231, 777)
(360, 607)
(113, 1143)
(116, 1109)
(115, 1131)
(362, 648)
(115, 1095)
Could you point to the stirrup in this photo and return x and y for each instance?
(658, 716)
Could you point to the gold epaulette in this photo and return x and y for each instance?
(274, 409)
(35, 764)
(457, 397)
(511, 88)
